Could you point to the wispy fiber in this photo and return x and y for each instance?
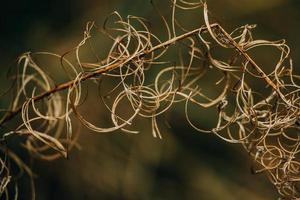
(265, 123)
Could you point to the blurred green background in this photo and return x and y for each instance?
(185, 164)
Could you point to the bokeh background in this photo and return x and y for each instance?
(185, 164)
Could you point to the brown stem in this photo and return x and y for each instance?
(63, 86)
(253, 63)
(88, 75)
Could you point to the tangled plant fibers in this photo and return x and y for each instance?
(266, 123)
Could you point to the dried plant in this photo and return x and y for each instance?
(265, 122)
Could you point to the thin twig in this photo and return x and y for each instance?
(10, 115)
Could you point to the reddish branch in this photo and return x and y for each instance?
(11, 114)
